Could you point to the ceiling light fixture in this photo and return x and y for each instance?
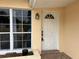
(32, 3)
(37, 16)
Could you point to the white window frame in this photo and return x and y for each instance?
(4, 51)
(11, 29)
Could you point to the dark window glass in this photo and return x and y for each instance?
(4, 41)
(5, 45)
(28, 44)
(17, 41)
(26, 20)
(22, 23)
(4, 28)
(26, 28)
(4, 37)
(4, 12)
(17, 28)
(17, 13)
(4, 23)
(24, 44)
(26, 13)
(21, 41)
(4, 20)
(26, 37)
(17, 44)
(17, 37)
(17, 20)
(29, 13)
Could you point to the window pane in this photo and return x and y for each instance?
(17, 20)
(4, 12)
(26, 28)
(28, 44)
(26, 13)
(17, 37)
(26, 20)
(24, 44)
(26, 37)
(4, 28)
(4, 20)
(17, 13)
(29, 13)
(22, 23)
(17, 44)
(4, 37)
(17, 28)
(5, 45)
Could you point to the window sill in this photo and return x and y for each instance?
(35, 56)
(3, 52)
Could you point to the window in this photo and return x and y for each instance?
(15, 29)
(49, 16)
(4, 29)
(22, 28)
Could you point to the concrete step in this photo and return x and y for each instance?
(54, 54)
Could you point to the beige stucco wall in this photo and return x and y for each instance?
(61, 30)
(36, 30)
(14, 4)
(70, 43)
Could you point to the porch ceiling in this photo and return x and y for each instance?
(52, 3)
(15, 4)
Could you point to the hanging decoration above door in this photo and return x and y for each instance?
(49, 16)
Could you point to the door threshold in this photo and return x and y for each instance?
(49, 51)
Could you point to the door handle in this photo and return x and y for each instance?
(42, 36)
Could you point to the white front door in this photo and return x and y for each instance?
(50, 32)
